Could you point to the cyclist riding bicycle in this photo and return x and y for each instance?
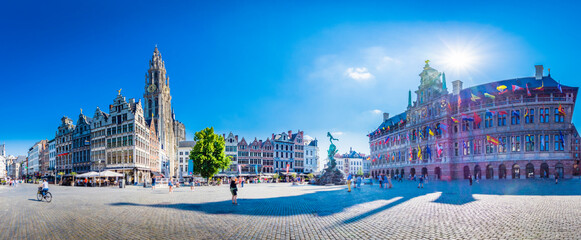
(44, 186)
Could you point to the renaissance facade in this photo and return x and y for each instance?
(516, 128)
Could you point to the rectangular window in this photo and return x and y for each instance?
(114, 120)
(530, 115)
(559, 145)
(544, 145)
(515, 143)
(501, 120)
(130, 127)
(119, 142)
(125, 128)
(114, 142)
(108, 131)
(558, 117)
(118, 129)
(466, 147)
(125, 141)
(530, 143)
(130, 140)
(489, 147)
(515, 117)
(488, 121)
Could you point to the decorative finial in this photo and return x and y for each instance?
(427, 61)
(549, 72)
(81, 111)
(119, 91)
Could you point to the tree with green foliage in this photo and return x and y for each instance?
(209, 153)
(360, 172)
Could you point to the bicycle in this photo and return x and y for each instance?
(47, 195)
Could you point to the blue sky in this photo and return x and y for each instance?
(266, 67)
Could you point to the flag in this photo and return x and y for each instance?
(387, 140)
(515, 113)
(528, 92)
(287, 167)
(502, 113)
(467, 118)
(561, 110)
(449, 107)
(492, 140)
(421, 134)
(526, 112)
(474, 97)
(454, 119)
(87, 142)
(503, 92)
(419, 152)
(477, 119)
(439, 150)
(256, 169)
(430, 131)
(429, 152)
(464, 143)
(239, 169)
(560, 89)
(411, 154)
(491, 113)
(541, 87)
(459, 100)
(490, 96)
(515, 87)
(501, 88)
(444, 127)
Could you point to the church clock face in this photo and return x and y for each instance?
(151, 88)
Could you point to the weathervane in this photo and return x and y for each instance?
(427, 61)
(119, 91)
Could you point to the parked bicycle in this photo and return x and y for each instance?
(42, 195)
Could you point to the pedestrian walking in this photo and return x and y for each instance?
(421, 184)
(470, 179)
(359, 181)
(556, 178)
(389, 182)
(477, 176)
(170, 185)
(153, 184)
(349, 182)
(380, 181)
(234, 191)
(241, 182)
(192, 184)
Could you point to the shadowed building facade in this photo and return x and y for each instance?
(516, 128)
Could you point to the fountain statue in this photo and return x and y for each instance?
(331, 174)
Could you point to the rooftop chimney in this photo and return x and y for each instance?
(385, 116)
(538, 72)
(456, 87)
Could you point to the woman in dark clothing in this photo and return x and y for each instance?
(234, 191)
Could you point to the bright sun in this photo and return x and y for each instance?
(460, 60)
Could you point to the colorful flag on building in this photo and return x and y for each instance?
(528, 92)
(490, 113)
(489, 96)
(429, 151)
(419, 152)
(444, 126)
(541, 87)
(430, 131)
(459, 100)
(454, 119)
(467, 118)
(477, 119)
(502, 113)
(287, 167)
(562, 138)
(515, 88)
(560, 89)
(501, 88)
(515, 113)
(474, 97)
(561, 110)
(526, 112)
(503, 92)
(439, 150)
(492, 140)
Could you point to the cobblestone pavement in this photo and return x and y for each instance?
(497, 209)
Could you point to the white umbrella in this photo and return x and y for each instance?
(87, 175)
(110, 174)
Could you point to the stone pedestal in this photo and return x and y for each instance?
(333, 176)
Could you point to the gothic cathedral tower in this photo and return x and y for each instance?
(158, 110)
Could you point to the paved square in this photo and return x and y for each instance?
(498, 209)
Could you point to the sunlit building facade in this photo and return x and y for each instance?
(516, 128)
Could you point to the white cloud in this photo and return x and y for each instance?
(337, 133)
(359, 74)
(376, 111)
(308, 138)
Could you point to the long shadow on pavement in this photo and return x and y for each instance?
(329, 202)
